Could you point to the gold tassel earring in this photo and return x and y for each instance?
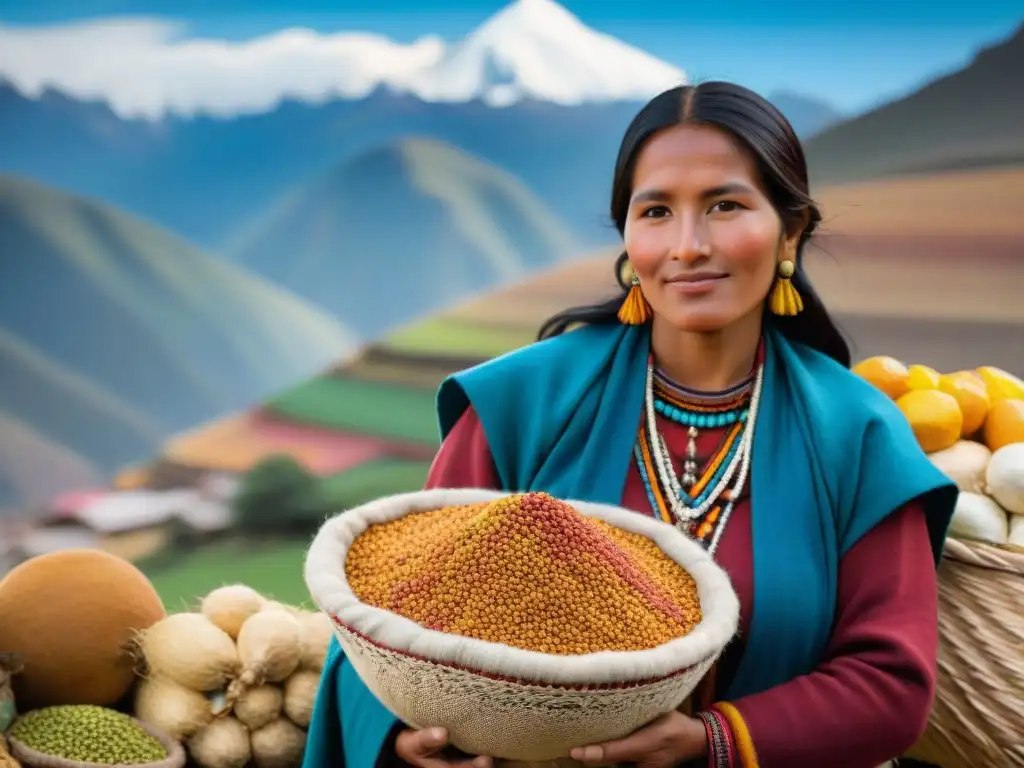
(786, 300)
(634, 310)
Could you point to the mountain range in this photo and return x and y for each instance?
(564, 154)
(114, 332)
(400, 231)
(971, 118)
(532, 91)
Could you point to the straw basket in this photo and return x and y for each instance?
(978, 716)
(507, 702)
(31, 758)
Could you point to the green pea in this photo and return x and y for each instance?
(86, 733)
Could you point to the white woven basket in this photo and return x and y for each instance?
(507, 702)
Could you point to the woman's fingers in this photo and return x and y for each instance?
(415, 746)
(424, 748)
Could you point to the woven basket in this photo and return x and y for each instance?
(31, 758)
(978, 716)
(505, 702)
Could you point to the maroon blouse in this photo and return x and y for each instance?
(869, 699)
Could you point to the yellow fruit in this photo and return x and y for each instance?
(1005, 423)
(922, 377)
(934, 416)
(885, 373)
(1000, 384)
(971, 395)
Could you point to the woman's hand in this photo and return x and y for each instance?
(668, 741)
(424, 749)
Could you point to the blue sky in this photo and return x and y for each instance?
(852, 54)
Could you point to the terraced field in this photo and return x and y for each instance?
(378, 405)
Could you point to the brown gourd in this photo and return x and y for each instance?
(73, 616)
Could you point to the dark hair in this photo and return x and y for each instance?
(783, 168)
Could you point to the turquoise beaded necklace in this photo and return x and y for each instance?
(698, 419)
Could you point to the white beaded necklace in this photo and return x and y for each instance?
(739, 466)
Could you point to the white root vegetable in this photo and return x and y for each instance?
(224, 743)
(269, 646)
(979, 518)
(177, 711)
(1005, 477)
(280, 744)
(258, 706)
(1016, 537)
(274, 605)
(228, 607)
(300, 695)
(316, 637)
(964, 463)
(191, 651)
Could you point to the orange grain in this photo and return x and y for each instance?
(528, 571)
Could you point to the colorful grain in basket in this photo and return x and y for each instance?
(528, 571)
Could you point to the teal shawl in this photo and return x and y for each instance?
(832, 458)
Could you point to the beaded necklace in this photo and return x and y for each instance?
(701, 410)
(700, 504)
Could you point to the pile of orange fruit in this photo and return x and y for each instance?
(985, 404)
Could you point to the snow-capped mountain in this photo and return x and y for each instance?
(538, 49)
(144, 68)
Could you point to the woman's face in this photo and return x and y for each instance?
(701, 232)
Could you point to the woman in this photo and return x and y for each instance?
(715, 394)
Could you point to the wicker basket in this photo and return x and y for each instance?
(507, 702)
(978, 716)
(31, 758)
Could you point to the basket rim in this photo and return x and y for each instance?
(620, 685)
(36, 759)
(325, 579)
(980, 554)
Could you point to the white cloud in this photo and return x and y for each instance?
(147, 67)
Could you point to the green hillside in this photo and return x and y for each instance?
(455, 337)
(403, 231)
(69, 409)
(365, 407)
(142, 320)
(969, 119)
(387, 390)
